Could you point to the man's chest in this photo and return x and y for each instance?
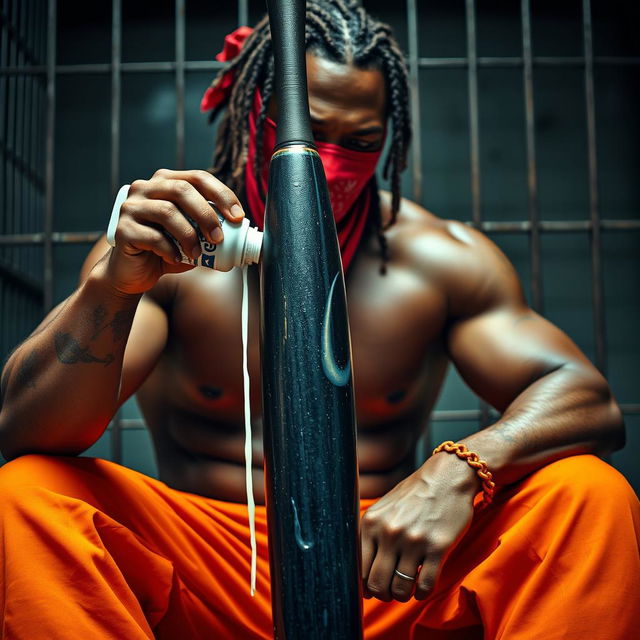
(396, 324)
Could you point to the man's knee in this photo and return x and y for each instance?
(28, 472)
(590, 481)
(21, 470)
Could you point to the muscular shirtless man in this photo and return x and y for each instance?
(422, 292)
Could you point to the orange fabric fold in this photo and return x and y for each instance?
(92, 549)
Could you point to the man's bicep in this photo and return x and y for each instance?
(502, 351)
(498, 344)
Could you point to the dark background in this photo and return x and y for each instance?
(80, 187)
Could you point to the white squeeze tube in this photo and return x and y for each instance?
(251, 505)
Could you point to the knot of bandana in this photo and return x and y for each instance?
(221, 87)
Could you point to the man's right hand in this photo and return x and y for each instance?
(158, 206)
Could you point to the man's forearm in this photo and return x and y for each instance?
(567, 412)
(60, 388)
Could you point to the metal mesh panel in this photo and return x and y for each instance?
(23, 111)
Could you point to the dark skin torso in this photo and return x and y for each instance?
(193, 399)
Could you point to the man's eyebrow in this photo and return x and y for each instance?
(359, 132)
(368, 130)
(362, 132)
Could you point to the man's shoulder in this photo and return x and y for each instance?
(423, 238)
(410, 213)
(469, 268)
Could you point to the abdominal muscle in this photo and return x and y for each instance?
(199, 442)
(195, 456)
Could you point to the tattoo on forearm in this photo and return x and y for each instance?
(119, 325)
(27, 369)
(99, 315)
(69, 351)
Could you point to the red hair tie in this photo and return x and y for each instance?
(221, 87)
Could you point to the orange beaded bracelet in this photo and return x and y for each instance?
(480, 466)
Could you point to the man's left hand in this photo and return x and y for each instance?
(414, 526)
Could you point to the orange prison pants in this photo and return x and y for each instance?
(93, 550)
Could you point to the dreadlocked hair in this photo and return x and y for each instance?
(342, 31)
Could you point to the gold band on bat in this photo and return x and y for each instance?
(295, 148)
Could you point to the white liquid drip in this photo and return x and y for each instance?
(251, 505)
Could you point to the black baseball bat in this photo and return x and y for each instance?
(311, 469)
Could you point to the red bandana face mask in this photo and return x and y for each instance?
(348, 174)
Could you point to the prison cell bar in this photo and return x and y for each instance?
(594, 214)
(115, 442)
(31, 64)
(4, 59)
(47, 225)
(180, 35)
(532, 175)
(414, 79)
(506, 62)
(20, 183)
(474, 141)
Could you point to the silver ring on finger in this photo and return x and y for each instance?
(404, 576)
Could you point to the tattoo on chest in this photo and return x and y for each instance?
(69, 351)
